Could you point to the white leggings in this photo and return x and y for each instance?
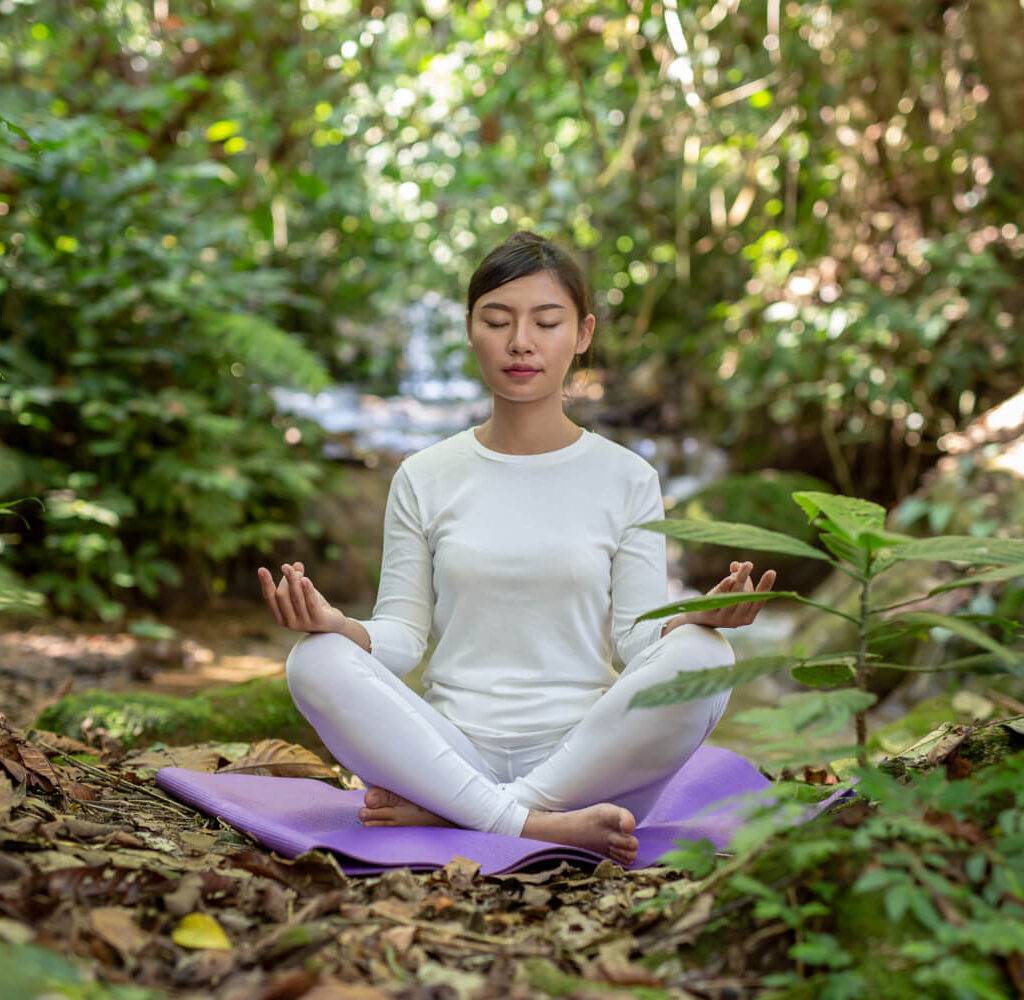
(380, 729)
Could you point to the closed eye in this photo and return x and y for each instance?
(501, 326)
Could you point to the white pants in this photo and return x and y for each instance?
(379, 728)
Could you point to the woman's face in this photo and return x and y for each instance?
(529, 322)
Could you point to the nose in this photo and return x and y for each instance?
(518, 339)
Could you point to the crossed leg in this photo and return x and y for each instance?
(626, 755)
(422, 769)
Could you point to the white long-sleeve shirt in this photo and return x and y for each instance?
(527, 569)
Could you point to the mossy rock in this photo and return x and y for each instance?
(258, 709)
(924, 717)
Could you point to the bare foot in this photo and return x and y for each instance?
(385, 808)
(604, 828)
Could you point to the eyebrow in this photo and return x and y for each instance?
(505, 308)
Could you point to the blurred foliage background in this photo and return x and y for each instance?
(801, 221)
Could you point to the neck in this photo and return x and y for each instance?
(526, 429)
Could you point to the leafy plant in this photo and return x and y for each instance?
(911, 889)
(855, 542)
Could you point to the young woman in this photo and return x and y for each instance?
(516, 542)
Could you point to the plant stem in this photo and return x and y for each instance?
(863, 667)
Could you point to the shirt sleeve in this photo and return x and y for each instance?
(405, 600)
(640, 572)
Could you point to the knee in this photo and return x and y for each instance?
(696, 647)
(318, 658)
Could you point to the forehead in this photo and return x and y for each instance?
(528, 292)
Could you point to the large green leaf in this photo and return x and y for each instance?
(1014, 661)
(961, 548)
(825, 675)
(861, 522)
(849, 514)
(691, 684)
(715, 601)
(740, 536)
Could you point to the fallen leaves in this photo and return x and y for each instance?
(92, 855)
(286, 760)
(116, 925)
(25, 763)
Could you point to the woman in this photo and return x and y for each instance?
(515, 541)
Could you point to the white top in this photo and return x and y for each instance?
(526, 568)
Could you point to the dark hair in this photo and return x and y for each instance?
(524, 253)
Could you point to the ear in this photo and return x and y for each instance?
(586, 333)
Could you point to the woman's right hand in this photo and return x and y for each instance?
(296, 604)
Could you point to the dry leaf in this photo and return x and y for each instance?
(9, 796)
(197, 757)
(400, 938)
(115, 925)
(461, 871)
(612, 965)
(15, 932)
(60, 742)
(200, 930)
(39, 766)
(694, 918)
(280, 758)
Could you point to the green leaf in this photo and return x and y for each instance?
(989, 576)
(739, 536)
(856, 519)
(691, 684)
(695, 857)
(1014, 661)
(821, 949)
(714, 601)
(828, 711)
(825, 675)
(962, 548)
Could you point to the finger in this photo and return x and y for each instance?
(295, 595)
(766, 581)
(284, 603)
(269, 593)
(721, 586)
(310, 597)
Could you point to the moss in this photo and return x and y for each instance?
(925, 717)
(258, 709)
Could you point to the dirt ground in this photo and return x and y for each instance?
(41, 662)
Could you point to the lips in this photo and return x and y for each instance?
(518, 369)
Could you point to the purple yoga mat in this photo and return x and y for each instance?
(295, 815)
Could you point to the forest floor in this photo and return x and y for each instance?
(110, 888)
(102, 867)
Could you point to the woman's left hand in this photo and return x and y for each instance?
(738, 581)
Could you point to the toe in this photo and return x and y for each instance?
(627, 822)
